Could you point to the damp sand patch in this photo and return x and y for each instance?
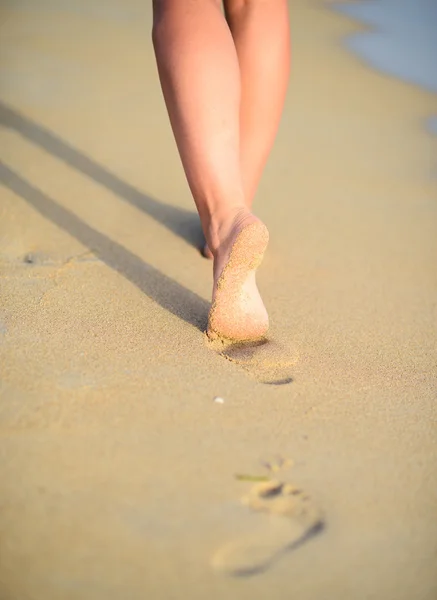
(267, 360)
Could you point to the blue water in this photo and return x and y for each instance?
(402, 41)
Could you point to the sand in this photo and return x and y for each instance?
(121, 477)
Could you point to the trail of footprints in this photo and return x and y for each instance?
(290, 518)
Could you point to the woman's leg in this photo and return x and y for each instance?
(200, 78)
(260, 30)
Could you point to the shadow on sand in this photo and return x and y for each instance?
(182, 222)
(269, 362)
(169, 294)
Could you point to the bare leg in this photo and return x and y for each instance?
(200, 78)
(260, 30)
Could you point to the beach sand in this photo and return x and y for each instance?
(135, 462)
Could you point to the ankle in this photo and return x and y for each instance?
(219, 224)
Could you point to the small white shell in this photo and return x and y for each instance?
(219, 400)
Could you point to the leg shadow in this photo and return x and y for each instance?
(166, 292)
(183, 223)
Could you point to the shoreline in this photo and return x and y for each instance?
(378, 43)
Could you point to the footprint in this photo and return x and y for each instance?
(292, 519)
(41, 259)
(47, 259)
(268, 361)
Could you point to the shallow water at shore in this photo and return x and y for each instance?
(402, 40)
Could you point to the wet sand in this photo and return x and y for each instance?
(121, 477)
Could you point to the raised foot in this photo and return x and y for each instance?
(237, 312)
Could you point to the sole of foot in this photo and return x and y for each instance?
(237, 311)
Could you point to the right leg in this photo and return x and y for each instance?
(260, 29)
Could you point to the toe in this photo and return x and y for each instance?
(206, 252)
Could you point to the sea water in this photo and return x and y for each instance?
(402, 40)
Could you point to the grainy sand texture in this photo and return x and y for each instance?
(135, 462)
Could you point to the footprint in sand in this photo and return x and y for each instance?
(268, 361)
(291, 519)
(41, 259)
(45, 259)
